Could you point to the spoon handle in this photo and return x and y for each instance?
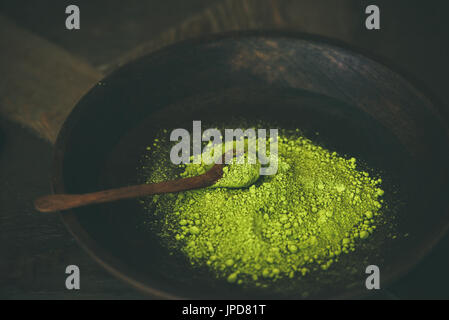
(57, 202)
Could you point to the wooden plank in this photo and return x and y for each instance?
(40, 82)
(237, 15)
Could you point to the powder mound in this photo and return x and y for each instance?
(317, 207)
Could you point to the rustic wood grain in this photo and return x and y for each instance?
(40, 82)
(238, 15)
(34, 250)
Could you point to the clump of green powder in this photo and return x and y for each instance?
(317, 207)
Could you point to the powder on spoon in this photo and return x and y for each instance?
(238, 175)
(235, 175)
(317, 207)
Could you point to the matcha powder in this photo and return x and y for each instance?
(317, 207)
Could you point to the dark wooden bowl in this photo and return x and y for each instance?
(359, 106)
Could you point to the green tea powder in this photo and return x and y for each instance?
(317, 206)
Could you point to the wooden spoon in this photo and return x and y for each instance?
(57, 202)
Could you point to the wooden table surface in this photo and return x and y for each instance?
(46, 69)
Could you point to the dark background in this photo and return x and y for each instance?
(35, 248)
